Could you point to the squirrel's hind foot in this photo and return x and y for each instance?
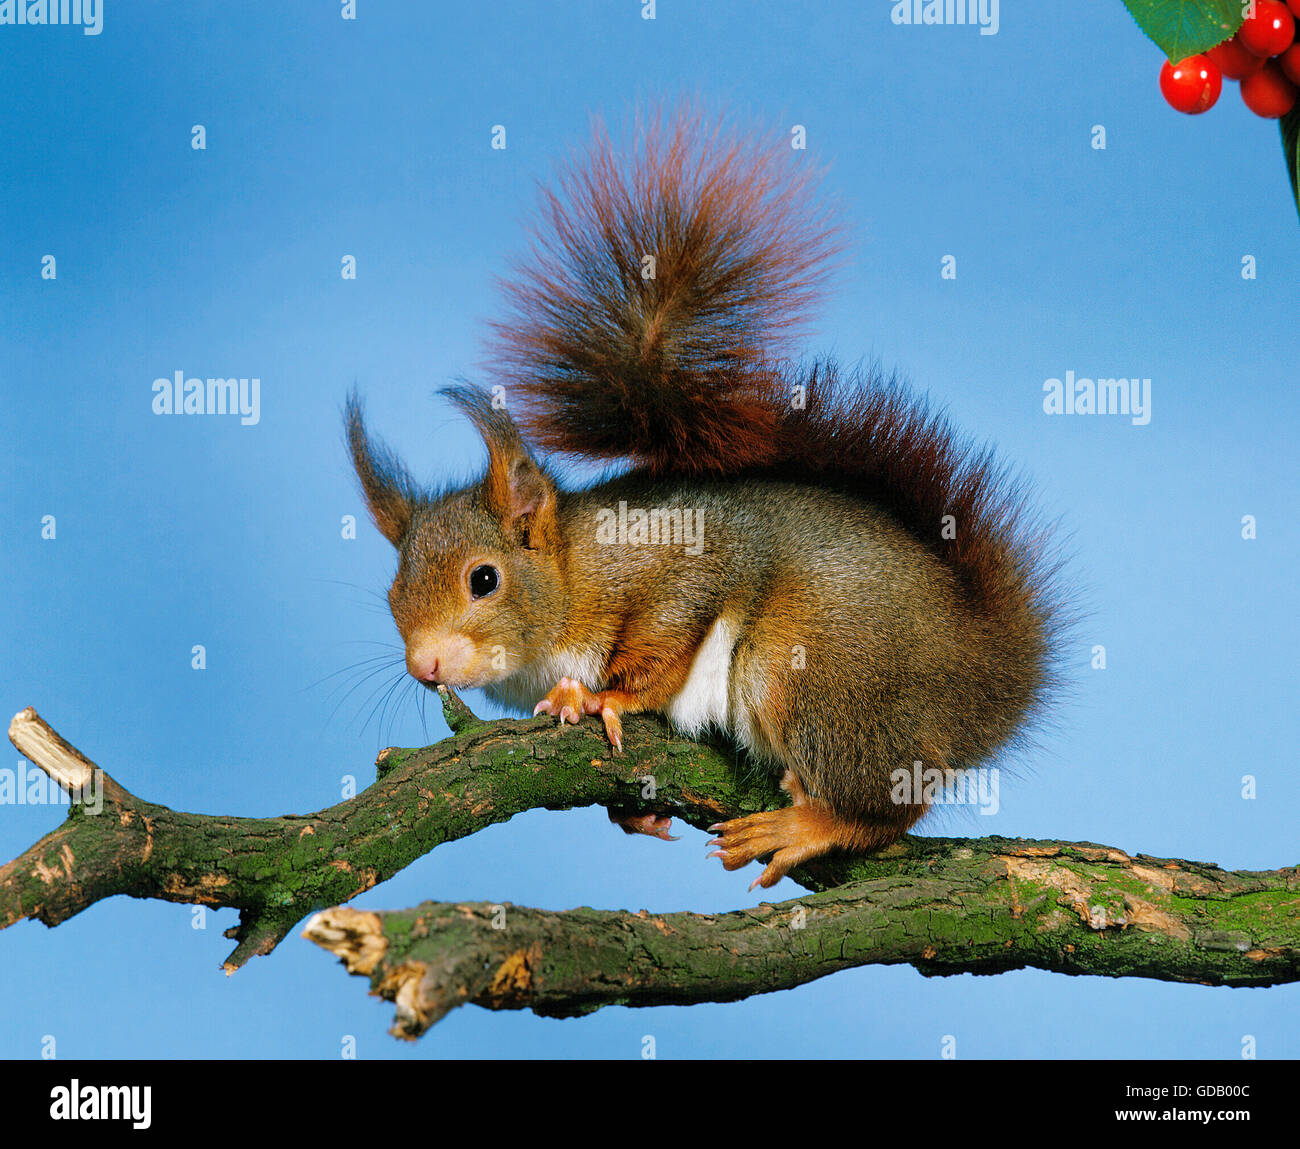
(654, 825)
(792, 836)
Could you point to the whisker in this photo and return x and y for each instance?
(386, 659)
(397, 689)
(361, 682)
(378, 701)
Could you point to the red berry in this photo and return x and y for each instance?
(1289, 61)
(1191, 85)
(1268, 93)
(1294, 5)
(1233, 60)
(1269, 30)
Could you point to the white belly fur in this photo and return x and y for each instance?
(524, 690)
(703, 701)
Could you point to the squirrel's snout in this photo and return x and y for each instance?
(440, 658)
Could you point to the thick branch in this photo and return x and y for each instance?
(275, 871)
(944, 906)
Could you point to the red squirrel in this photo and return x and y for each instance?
(811, 562)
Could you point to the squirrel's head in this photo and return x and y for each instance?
(478, 587)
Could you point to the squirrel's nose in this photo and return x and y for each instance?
(439, 658)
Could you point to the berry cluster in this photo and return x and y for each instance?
(1263, 55)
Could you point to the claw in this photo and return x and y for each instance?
(613, 728)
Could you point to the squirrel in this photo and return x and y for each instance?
(809, 561)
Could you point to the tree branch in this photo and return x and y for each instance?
(275, 871)
(944, 906)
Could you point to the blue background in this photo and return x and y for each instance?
(371, 138)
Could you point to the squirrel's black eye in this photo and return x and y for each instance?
(483, 581)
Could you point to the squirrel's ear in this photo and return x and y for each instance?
(389, 489)
(515, 489)
(522, 495)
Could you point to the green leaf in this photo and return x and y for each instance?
(1291, 147)
(1184, 27)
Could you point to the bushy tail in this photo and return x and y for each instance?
(647, 324)
(665, 278)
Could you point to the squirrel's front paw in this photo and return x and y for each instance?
(570, 700)
(565, 701)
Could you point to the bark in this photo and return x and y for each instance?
(276, 871)
(944, 905)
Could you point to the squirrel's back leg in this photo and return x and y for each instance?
(836, 735)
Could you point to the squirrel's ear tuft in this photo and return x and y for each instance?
(387, 485)
(516, 489)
